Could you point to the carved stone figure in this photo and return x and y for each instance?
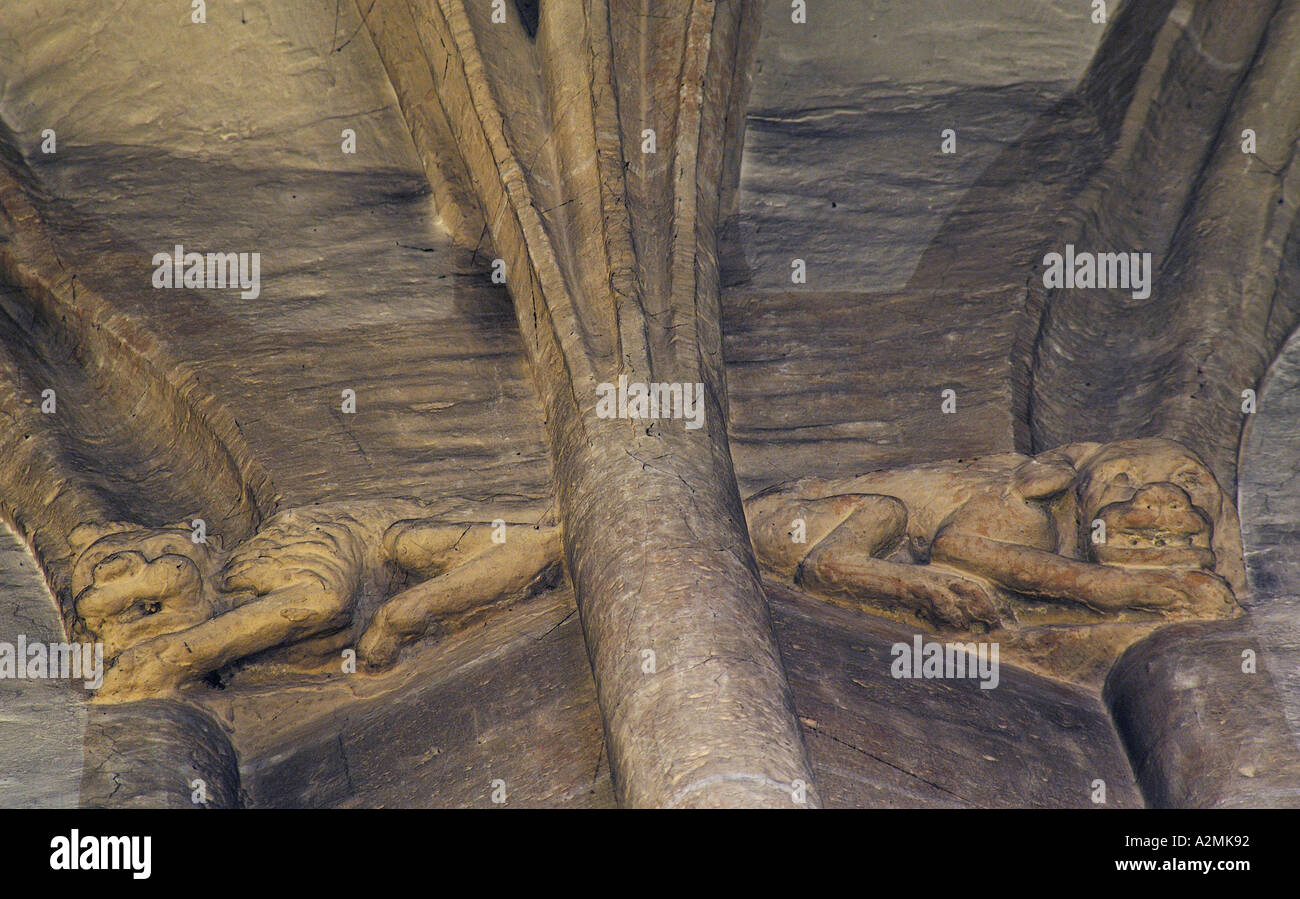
(585, 159)
(968, 545)
(1083, 533)
(310, 583)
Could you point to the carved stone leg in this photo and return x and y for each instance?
(527, 557)
(946, 598)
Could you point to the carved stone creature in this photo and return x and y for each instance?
(322, 578)
(971, 544)
(979, 543)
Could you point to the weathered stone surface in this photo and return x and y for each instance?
(185, 403)
(1201, 732)
(1269, 487)
(880, 742)
(806, 400)
(928, 254)
(157, 754)
(1221, 225)
(512, 700)
(611, 252)
(1007, 548)
(41, 721)
(843, 164)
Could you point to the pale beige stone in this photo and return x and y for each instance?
(985, 544)
(171, 611)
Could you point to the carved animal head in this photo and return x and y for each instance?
(130, 584)
(1161, 506)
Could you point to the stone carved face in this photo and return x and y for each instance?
(1159, 502)
(131, 585)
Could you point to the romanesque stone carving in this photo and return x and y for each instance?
(610, 255)
(310, 583)
(1130, 530)
(1134, 530)
(589, 153)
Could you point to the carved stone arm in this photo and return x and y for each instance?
(1104, 588)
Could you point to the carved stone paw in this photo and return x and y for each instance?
(1191, 593)
(956, 602)
(142, 672)
(381, 644)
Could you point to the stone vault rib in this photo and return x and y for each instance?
(71, 333)
(601, 153)
(1221, 225)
